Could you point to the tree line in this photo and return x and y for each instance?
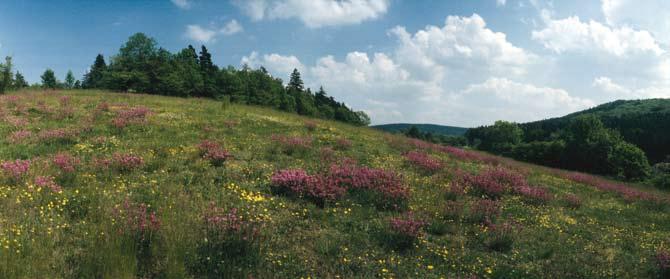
(142, 66)
(10, 80)
(584, 144)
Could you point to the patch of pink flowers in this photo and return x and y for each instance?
(213, 152)
(386, 183)
(19, 136)
(57, 134)
(485, 210)
(48, 182)
(136, 115)
(138, 219)
(461, 154)
(572, 201)
(494, 182)
(315, 187)
(343, 144)
(127, 162)
(16, 169)
(663, 261)
(290, 145)
(407, 225)
(628, 193)
(532, 194)
(65, 162)
(423, 161)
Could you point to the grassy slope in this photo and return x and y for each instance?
(435, 129)
(75, 233)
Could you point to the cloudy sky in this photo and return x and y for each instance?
(463, 63)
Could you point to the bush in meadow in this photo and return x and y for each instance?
(455, 191)
(453, 210)
(423, 162)
(16, 170)
(19, 136)
(136, 115)
(500, 237)
(663, 263)
(494, 182)
(124, 162)
(533, 194)
(484, 210)
(230, 246)
(57, 135)
(65, 162)
(140, 225)
(48, 182)
(381, 188)
(572, 201)
(403, 231)
(297, 182)
(343, 144)
(213, 152)
(292, 145)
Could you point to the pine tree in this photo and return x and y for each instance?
(209, 72)
(6, 74)
(296, 83)
(93, 79)
(19, 81)
(77, 84)
(49, 79)
(69, 80)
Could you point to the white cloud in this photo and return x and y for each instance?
(614, 90)
(573, 35)
(200, 34)
(280, 66)
(501, 2)
(651, 15)
(232, 27)
(182, 4)
(205, 35)
(315, 13)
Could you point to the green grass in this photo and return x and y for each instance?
(80, 232)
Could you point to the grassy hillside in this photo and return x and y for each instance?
(432, 128)
(124, 186)
(645, 123)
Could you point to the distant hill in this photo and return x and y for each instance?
(432, 128)
(645, 123)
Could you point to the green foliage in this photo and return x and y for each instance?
(141, 66)
(19, 81)
(49, 79)
(69, 80)
(500, 137)
(6, 75)
(628, 162)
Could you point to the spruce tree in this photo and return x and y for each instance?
(19, 81)
(69, 80)
(6, 74)
(94, 77)
(295, 82)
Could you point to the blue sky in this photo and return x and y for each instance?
(449, 62)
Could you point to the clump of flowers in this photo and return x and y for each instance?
(404, 231)
(484, 210)
(572, 201)
(628, 193)
(136, 115)
(533, 195)
(102, 106)
(311, 125)
(48, 182)
(379, 187)
(142, 225)
(292, 145)
(231, 243)
(126, 162)
(452, 210)
(213, 152)
(16, 121)
(465, 155)
(57, 135)
(423, 161)
(19, 136)
(663, 262)
(456, 189)
(500, 237)
(343, 144)
(495, 182)
(16, 169)
(314, 187)
(66, 163)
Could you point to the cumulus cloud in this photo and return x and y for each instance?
(651, 15)
(461, 73)
(614, 90)
(199, 34)
(182, 4)
(205, 35)
(232, 27)
(573, 35)
(315, 13)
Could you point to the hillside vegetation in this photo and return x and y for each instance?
(426, 128)
(97, 184)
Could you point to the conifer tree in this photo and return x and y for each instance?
(69, 80)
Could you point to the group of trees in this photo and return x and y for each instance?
(8, 79)
(585, 144)
(49, 81)
(414, 132)
(142, 66)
